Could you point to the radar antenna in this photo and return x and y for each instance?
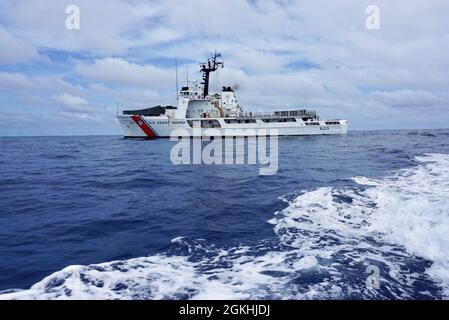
(211, 65)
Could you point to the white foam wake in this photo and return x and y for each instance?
(409, 208)
(326, 239)
(413, 210)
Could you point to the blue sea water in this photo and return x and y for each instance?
(105, 217)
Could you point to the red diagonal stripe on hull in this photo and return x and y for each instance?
(144, 126)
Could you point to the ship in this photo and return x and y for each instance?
(200, 113)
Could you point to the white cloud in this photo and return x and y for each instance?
(104, 24)
(14, 81)
(118, 71)
(72, 103)
(407, 98)
(19, 82)
(14, 50)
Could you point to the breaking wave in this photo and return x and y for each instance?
(325, 240)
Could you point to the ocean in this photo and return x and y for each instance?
(358, 216)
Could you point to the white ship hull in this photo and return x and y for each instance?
(137, 126)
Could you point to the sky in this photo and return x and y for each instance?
(278, 55)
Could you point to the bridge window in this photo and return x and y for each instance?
(240, 121)
(205, 123)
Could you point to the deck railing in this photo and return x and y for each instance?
(278, 114)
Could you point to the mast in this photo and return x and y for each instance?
(208, 67)
(177, 89)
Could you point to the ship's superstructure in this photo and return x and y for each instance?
(221, 111)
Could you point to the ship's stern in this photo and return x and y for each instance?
(344, 126)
